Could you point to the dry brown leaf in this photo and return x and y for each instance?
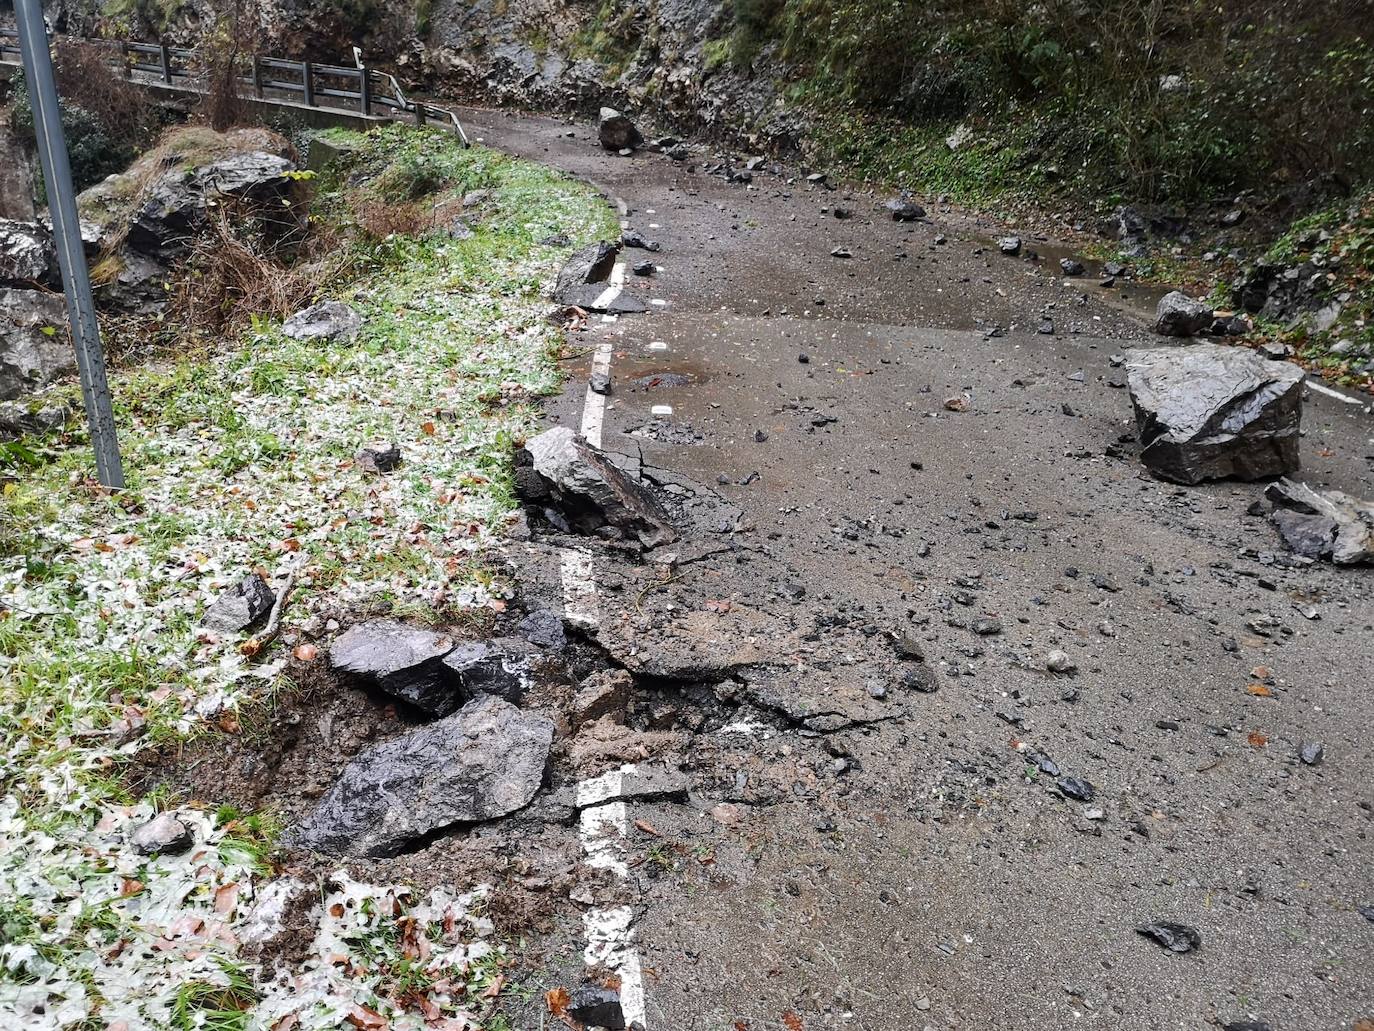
(791, 1021)
(1256, 739)
(427, 429)
(647, 827)
(1259, 691)
(226, 897)
(558, 1000)
(305, 652)
(129, 886)
(495, 988)
(366, 1017)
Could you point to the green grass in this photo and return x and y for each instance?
(241, 456)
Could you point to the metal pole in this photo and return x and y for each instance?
(364, 90)
(66, 231)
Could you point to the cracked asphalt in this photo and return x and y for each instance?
(927, 873)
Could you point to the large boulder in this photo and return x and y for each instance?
(27, 257)
(1323, 523)
(35, 348)
(483, 762)
(588, 489)
(617, 132)
(1208, 411)
(405, 662)
(174, 206)
(1178, 315)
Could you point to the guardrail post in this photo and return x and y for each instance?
(365, 91)
(165, 58)
(308, 79)
(257, 78)
(419, 112)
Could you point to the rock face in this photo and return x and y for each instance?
(617, 132)
(27, 257)
(1209, 411)
(1323, 523)
(589, 490)
(404, 661)
(331, 321)
(483, 762)
(1178, 315)
(240, 606)
(34, 344)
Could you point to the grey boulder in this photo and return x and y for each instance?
(1323, 523)
(617, 132)
(27, 257)
(589, 489)
(1010, 245)
(331, 321)
(1178, 315)
(483, 762)
(240, 606)
(34, 346)
(1209, 412)
(403, 661)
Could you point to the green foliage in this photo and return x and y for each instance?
(92, 150)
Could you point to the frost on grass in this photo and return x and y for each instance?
(237, 460)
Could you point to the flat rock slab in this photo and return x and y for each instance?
(1208, 412)
(501, 666)
(404, 661)
(329, 320)
(242, 605)
(485, 761)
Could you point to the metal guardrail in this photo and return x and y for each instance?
(367, 91)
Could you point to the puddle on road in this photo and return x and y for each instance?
(1127, 295)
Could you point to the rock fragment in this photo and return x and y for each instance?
(501, 666)
(904, 209)
(1323, 523)
(1077, 789)
(380, 457)
(34, 344)
(164, 834)
(1172, 936)
(1178, 315)
(1010, 246)
(634, 238)
(606, 693)
(594, 1005)
(331, 321)
(483, 762)
(239, 607)
(405, 662)
(1209, 411)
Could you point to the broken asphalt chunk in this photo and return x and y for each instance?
(404, 661)
(590, 491)
(500, 666)
(1174, 937)
(594, 1005)
(1208, 411)
(483, 762)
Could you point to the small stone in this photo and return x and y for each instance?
(909, 648)
(1311, 753)
(1071, 267)
(1174, 937)
(164, 834)
(603, 694)
(645, 268)
(238, 608)
(1059, 662)
(987, 627)
(920, 679)
(379, 457)
(1076, 788)
(1046, 327)
(1010, 246)
(593, 1005)
(544, 628)
(599, 383)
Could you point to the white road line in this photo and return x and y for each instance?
(1322, 388)
(604, 821)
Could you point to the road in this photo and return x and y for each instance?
(922, 871)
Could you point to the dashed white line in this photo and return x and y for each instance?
(1322, 388)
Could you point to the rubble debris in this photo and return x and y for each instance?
(483, 762)
(1071, 267)
(1174, 937)
(500, 666)
(1311, 753)
(634, 238)
(1010, 246)
(588, 489)
(1323, 523)
(583, 282)
(1178, 315)
(331, 321)
(164, 834)
(405, 662)
(28, 258)
(1210, 411)
(1059, 662)
(594, 1005)
(544, 628)
(617, 132)
(239, 607)
(1076, 788)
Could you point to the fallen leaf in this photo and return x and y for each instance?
(791, 1021)
(495, 988)
(1262, 673)
(226, 897)
(427, 429)
(718, 605)
(228, 723)
(290, 544)
(647, 827)
(129, 886)
(1256, 739)
(305, 653)
(1260, 691)
(365, 1017)
(558, 1000)
(250, 647)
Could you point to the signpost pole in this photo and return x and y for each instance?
(66, 229)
